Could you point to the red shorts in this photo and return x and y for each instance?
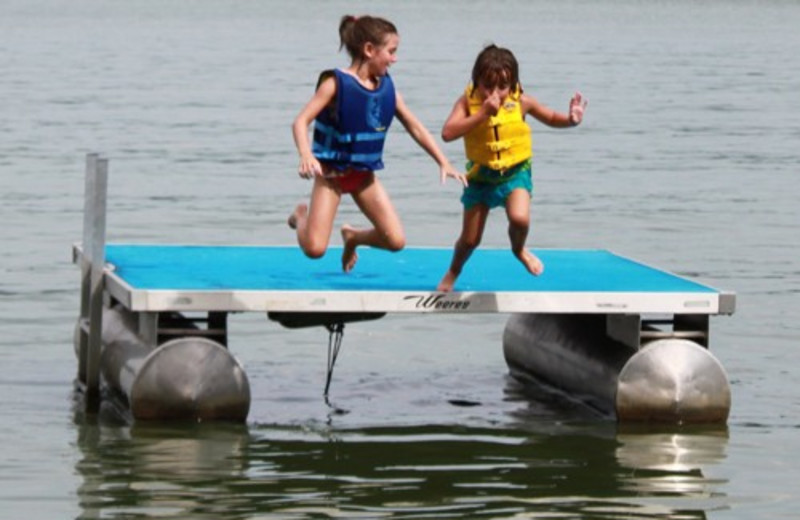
(350, 180)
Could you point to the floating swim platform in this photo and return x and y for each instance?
(615, 332)
(147, 277)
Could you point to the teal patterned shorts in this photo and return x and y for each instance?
(491, 187)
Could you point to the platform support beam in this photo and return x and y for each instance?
(148, 327)
(171, 325)
(634, 330)
(92, 288)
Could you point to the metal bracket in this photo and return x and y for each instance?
(633, 331)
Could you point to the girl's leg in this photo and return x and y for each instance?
(473, 224)
(314, 224)
(518, 210)
(387, 232)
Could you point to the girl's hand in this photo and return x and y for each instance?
(309, 167)
(491, 105)
(446, 170)
(576, 107)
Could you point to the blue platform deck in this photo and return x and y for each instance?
(275, 278)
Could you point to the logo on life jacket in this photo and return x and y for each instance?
(373, 112)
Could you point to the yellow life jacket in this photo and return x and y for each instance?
(504, 139)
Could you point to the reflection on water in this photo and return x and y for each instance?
(671, 463)
(680, 450)
(318, 471)
(155, 471)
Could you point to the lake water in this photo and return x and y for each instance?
(688, 160)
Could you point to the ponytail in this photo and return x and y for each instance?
(357, 31)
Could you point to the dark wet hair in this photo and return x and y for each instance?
(495, 65)
(356, 31)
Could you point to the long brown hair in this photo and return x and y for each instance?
(357, 31)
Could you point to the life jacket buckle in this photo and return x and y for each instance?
(499, 146)
(500, 165)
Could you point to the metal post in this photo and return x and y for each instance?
(86, 263)
(94, 248)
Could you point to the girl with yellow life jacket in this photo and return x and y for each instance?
(490, 116)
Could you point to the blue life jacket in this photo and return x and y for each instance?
(351, 132)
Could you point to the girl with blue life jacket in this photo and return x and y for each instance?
(490, 116)
(352, 110)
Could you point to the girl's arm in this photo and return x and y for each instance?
(425, 140)
(550, 117)
(309, 165)
(460, 122)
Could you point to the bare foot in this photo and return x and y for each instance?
(349, 255)
(531, 262)
(447, 282)
(300, 212)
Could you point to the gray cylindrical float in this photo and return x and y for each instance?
(569, 352)
(668, 380)
(188, 378)
(673, 380)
